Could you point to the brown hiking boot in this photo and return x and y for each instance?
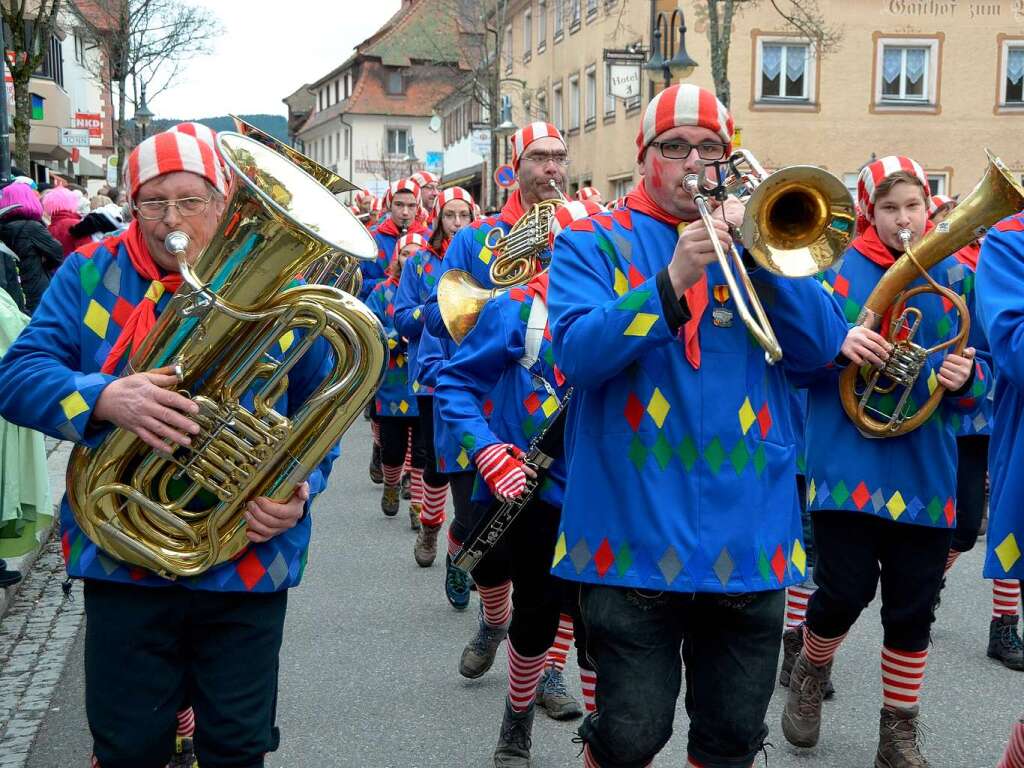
(792, 644)
(414, 516)
(389, 500)
(425, 548)
(1004, 643)
(898, 740)
(801, 718)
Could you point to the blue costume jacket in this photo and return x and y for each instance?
(486, 395)
(50, 381)
(909, 479)
(392, 398)
(978, 422)
(679, 479)
(419, 276)
(1001, 310)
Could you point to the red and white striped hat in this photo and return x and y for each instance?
(683, 104)
(172, 151)
(198, 131)
(402, 185)
(409, 238)
(363, 196)
(528, 134)
(588, 192)
(875, 173)
(454, 193)
(425, 178)
(570, 212)
(939, 201)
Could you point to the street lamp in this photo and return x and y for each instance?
(668, 52)
(506, 127)
(142, 115)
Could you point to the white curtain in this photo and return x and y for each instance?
(1015, 65)
(771, 60)
(892, 61)
(796, 62)
(917, 58)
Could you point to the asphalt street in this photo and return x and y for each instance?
(369, 666)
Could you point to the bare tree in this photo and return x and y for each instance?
(142, 45)
(802, 16)
(28, 43)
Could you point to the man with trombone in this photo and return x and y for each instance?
(680, 515)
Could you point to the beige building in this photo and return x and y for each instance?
(939, 80)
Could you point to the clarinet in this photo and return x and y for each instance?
(545, 448)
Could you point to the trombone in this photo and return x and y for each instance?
(798, 221)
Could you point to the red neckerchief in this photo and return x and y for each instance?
(872, 247)
(389, 228)
(513, 209)
(697, 294)
(143, 317)
(969, 255)
(539, 285)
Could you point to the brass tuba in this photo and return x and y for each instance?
(180, 515)
(997, 196)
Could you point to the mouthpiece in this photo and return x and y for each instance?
(176, 243)
(905, 236)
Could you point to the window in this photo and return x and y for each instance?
(337, 90)
(348, 84)
(79, 49)
(609, 100)
(526, 109)
(527, 34)
(1012, 78)
(939, 182)
(907, 72)
(508, 49)
(785, 70)
(559, 19)
(394, 85)
(542, 105)
(574, 102)
(398, 141)
(850, 182)
(574, 15)
(542, 25)
(556, 105)
(590, 111)
(591, 9)
(620, 187)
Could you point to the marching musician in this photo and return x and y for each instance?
(453, 210)
(497, 393)
(590, 193)
(429, 190)
(151, 643)
(402, 202)
(680, 516)
(1001, 309)
(882, 509)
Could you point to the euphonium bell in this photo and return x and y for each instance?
(461, 299)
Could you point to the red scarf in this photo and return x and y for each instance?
(697, 294)
(969, 255)
(390, 228)
(872, 247)
(143, 317)
(513, 209)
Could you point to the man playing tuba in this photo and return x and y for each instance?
(152, 643)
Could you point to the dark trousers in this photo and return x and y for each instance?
(971, 469)
(394, 440)
(730, 648)
(467, 512)
(524, 555)
(857, 551)
(149, 649)
(431, 476)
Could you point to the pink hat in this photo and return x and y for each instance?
(172, 151)
(875, 173)
(679, 105)
(409, 238)
(453, 193)
(570, 212)
(528, 134)
(425, 178)
(939, 201)
(588, 192)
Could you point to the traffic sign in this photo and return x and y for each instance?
(505, 176)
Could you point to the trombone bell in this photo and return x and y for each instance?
(461, 300)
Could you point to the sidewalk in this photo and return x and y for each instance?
(57, 453)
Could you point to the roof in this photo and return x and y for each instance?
(97, 14)
(424, 30)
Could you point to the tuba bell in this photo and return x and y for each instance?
(182, 514)
(995, 197)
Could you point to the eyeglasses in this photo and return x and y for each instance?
(154, 210)
(543, 158)
(457, 216)
(680, 150)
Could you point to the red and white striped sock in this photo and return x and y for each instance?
(559, 651)
(497, 603)
(523, 676)
(1013, 757)
(1005, 597)
(433, 509)
(820, 650)
(375, 428)
(186, 722)
(588, 682)
(902, 676)
(951, 559)
(407, 465)
(796, 604)
(392, 475)
(416, 486)
(454, 544)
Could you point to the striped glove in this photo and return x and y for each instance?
(501, 468)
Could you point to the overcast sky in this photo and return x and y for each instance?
(266, 51)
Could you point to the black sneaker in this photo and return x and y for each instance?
(1004, 643)
(8, 577)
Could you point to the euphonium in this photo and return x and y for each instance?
(997, 196)
(183, 514)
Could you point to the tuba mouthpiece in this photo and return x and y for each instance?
(176, 243)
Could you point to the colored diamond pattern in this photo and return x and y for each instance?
(714, 455)
(122, 311)
(1008, 552)
(604, 558)
(747, 417)
(851, 309)
(934, 509)
(658, 407)
(662, 451)
(624, 560)
(88, 276)
(688, 453)
(763, 566)
(896, 505)
(779, 563)
(634, 411)
(641, 324)
(403, 406)
(860, 495)
(760, 460)
(559, 549)
(933, 381)
(877, 500)
(739, 456)
(840, 493)
(841, 286)
(621, 284)
(799, 557)
(634, 300)
(637, 453)
(532, 403)
(724, 566)
(944, 326)
(950, 512)
(97, 318)
(670, 565)
(73, 405)
(462, 459)
(278, 570)
(287, 340)
(112, 278)
(549, 406)
(580, 555)
(812, 491)
(250, 569)
(823, 494)
(764, 420)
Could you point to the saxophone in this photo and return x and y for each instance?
(183, 514)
